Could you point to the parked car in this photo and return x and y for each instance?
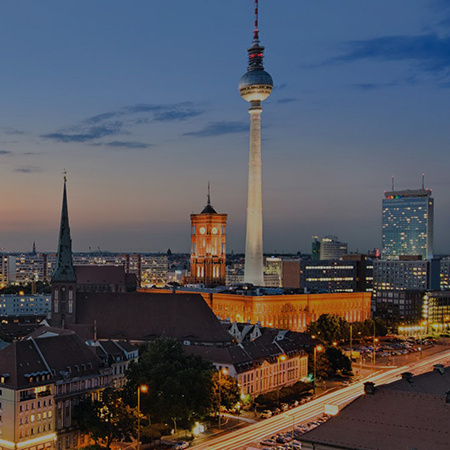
(269, 442)
(266, 414)
(180, 445)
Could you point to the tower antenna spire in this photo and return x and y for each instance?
(392, 182)
(256, 30)
(209, 194)
(423, 182)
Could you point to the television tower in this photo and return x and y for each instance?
(255, 86)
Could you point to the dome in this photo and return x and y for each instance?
(255, 85)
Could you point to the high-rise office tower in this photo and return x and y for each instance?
(408, 223)
(255, 86)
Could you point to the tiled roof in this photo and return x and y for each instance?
(107, 274)
(144, 316)
(38, 358)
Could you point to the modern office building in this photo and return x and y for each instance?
(328, 248)
(406, 275)
(408, 223)
(336, 276)
(436, 311)
(399, 307)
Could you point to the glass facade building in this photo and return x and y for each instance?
(408, 224)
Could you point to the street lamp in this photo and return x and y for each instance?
(279, 358)
(144, 389)
(223, 371)
(317, 348)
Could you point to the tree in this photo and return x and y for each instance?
(330, 363)
(179, 384)
(107, 419)
(225, 391)
(329, 328)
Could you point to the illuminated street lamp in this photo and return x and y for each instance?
(223, 371)
(279, 358)
(144, 389)
(317, 348)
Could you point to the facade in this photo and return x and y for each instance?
(25, 305)
(293, 312)
(406, 275)
(208, 247)
(329, 276)
(264, 360)
(399, 307)
(436, 311)
(332, 248)
(408, 223)
(42, 378)
(255, 86)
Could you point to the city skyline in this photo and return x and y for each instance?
(141, 107)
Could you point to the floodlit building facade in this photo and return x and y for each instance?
(408, 224)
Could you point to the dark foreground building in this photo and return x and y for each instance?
(413, 413)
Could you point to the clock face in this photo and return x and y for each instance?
(214, 230)
(202, 230)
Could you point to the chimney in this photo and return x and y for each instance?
(439, 368)
(407, 376)
(369, 388)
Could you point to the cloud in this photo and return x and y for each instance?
(28, 169)
(13, 131)
(117, 122)
(220, 128)
(5, 152)
(280, 86)
(126, 144)
(84, 132)
(429, 52)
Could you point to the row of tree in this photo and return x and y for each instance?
(330, 328)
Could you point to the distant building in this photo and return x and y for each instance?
(408, 223)
(331, 248)
(436, 311)
(409, 414)
(406, 275)
(208, 247)
(25, 305)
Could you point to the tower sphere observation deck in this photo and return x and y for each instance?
(255, 86)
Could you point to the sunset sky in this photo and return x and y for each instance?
(138, 101)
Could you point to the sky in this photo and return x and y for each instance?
(138, 102)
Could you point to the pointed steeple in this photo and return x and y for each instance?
(208, 209)
(64, 270)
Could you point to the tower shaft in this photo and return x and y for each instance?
(253, 272)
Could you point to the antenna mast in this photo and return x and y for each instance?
(209, 196)
(392, 182)
(256, 30)
(423, 182)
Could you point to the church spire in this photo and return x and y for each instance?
(64, 270)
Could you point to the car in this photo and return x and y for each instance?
(269, 442)
(266, 414)
(180, 445)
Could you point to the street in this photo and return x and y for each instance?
(253, 434)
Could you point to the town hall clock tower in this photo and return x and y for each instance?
(208, 247)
